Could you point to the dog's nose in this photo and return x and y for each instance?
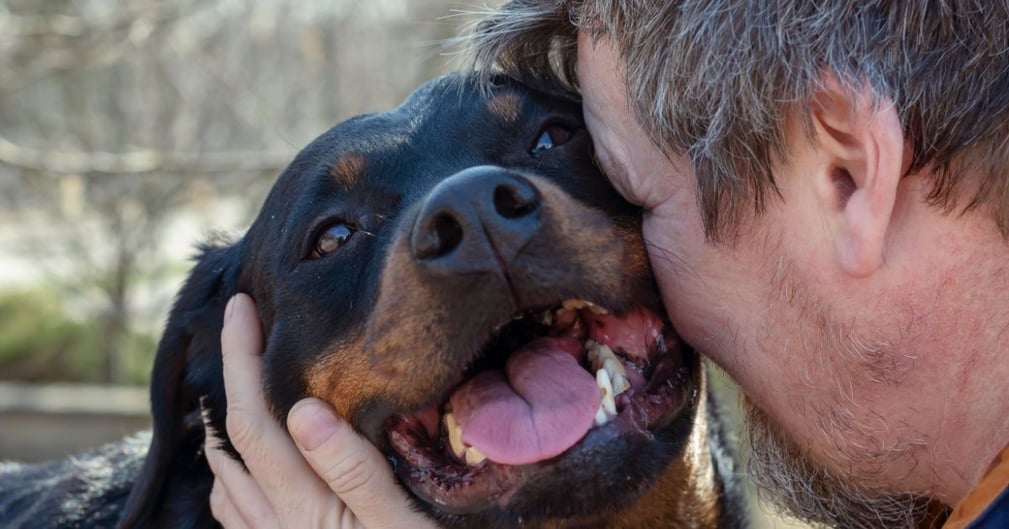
(476, 221)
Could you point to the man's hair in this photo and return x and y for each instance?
(715, 80)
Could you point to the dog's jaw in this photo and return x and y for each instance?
(384, 321)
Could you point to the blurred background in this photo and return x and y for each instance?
(132, 130)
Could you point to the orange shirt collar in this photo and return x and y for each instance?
(992, 484)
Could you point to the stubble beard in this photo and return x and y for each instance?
(791, 480)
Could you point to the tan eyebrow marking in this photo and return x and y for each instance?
(507, 106)
(348, 169)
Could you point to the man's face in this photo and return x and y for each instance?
(724, 300)
(829, 366)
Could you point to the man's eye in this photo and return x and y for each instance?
(332, 239)
(551, 136)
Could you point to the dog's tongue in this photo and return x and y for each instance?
(541, 405)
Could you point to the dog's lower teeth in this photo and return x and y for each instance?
(469, 454)
(602, 417)
(606, 390)
(602, 357)
(607, 406)
(454, 432)
(611, 378)
(474, 457)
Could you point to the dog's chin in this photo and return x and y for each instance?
(568, 408)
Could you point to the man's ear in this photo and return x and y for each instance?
(861, 146)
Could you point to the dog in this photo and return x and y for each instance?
(460, 282)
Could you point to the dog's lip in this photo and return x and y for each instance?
(460, 489)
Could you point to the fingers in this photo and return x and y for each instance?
(224, 510)
(231, 481)
(278, 471)
(251, 511)
(351, 466)
(241, 348)
(281, 488)
(252, 429)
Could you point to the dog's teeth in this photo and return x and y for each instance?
(574, 304)
(547, 318)
(602, 357)
(454, 432)
(597, 309)
(578, 304)
(618, 375)
(474, 457)
(613, 365)
(597, 354)
(607, 406)
(601, 416)
(606, 390)
(620, 383)
(470, 455)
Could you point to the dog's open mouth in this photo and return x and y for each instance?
(550, 385)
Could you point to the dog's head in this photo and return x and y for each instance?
(458, 280)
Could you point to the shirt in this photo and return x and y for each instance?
(987, 506)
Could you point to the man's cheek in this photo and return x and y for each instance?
(693, 287)
(671, 265)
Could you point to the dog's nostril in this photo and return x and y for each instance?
(449, 233)
(446, 235)
(475, 220)
(514, 201)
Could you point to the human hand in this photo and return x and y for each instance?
(329, 476)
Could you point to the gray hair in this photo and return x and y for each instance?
(787, 478)
(715, 79)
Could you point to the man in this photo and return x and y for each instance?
(827, 209)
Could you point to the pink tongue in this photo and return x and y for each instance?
(542, 407)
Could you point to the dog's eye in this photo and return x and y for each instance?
(551, 136)
(332, 239)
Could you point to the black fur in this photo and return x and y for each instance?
(310, 307)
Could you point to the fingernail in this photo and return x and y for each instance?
(312, 423)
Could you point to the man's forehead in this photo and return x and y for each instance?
(597, 58)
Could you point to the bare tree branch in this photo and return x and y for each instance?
(124, 123)
(142, 161)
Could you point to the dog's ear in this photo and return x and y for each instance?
(188, 358)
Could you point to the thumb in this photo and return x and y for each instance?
(351, 466)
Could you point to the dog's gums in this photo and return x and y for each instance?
(550, 384)
(457, 279)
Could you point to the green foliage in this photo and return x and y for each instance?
(39, 342)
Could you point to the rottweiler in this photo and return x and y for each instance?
(458, 280)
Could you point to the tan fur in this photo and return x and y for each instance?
(348, 169)
(401, 354)
(405, 352)
(507, 106)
